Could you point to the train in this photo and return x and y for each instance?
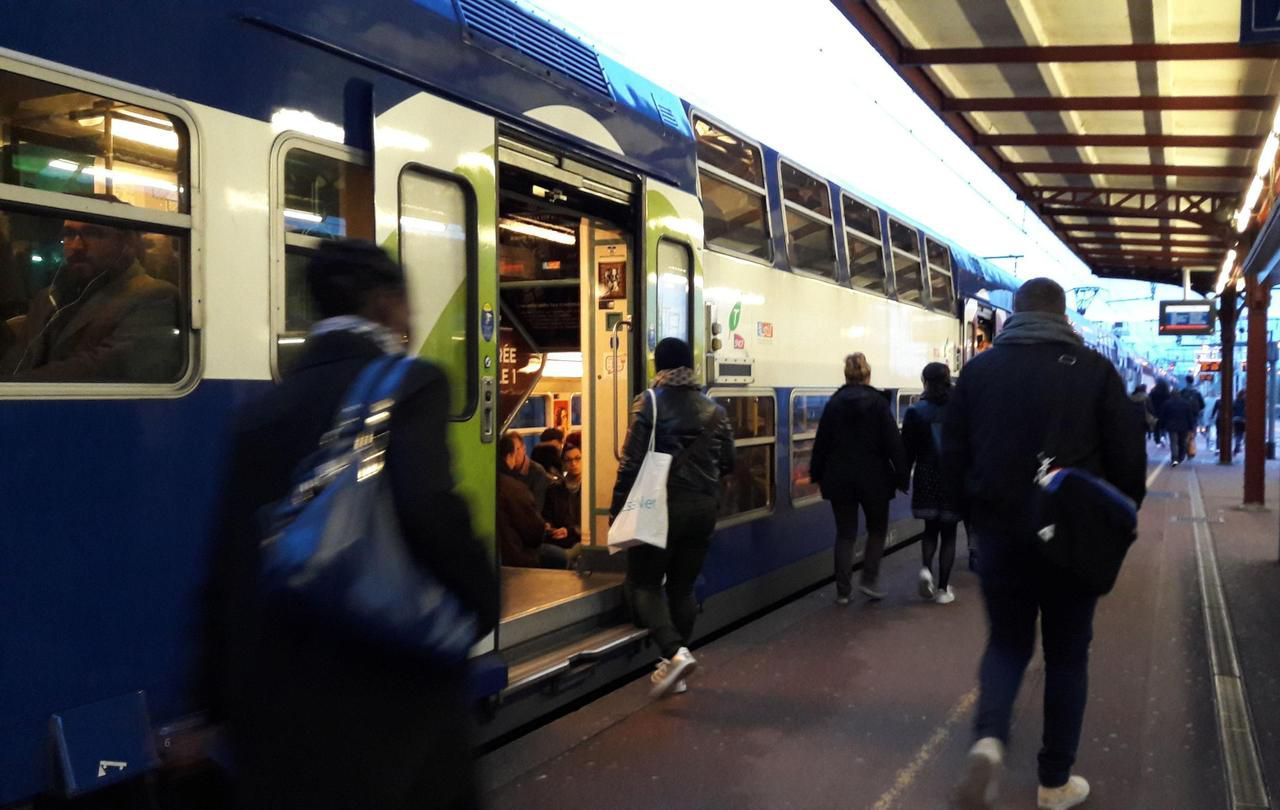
(556, 214)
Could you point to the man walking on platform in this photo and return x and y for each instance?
(1038, 377)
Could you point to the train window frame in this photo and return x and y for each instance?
(794, 436)
(923, 303)
(851, 232)
(188, 224)
(930, 242)
(281, 239)
(740, 518)
(908, 395)
(808, 213)
(471, 270)
(744, 185)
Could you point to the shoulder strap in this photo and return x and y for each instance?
(653, 427)
(1057, 411)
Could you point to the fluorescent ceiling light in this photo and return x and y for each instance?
(291, 341)
(150, 119)
(564, 365)
(538, 231)
(304, 216)
(130, 179)
(165, 139)
(64, 165)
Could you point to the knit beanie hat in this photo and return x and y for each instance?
(672, 353)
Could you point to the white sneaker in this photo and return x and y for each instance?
(980, 784)
(945, 596)
(1073, 793)
(670, 673)
(926, 584)
(681, 687)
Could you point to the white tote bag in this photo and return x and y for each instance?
(643, 519)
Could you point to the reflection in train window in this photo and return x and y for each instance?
(56, 138)
(806, 412)
(866, 251)
(810, 236)
(940, 293)
(907, 270)
(748, 490)
(731, 184)
(675, 293)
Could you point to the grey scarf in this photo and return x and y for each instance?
(683, 377)
(1037, 327)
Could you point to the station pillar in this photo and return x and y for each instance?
(1227, 316)
(1257, 299)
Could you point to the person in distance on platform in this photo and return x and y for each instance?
(1237, 421)
(1179, 419)
(697, 433)
(857, 462)
(1159, 393)
(1039, 373)
(319, 718)
(930, 502)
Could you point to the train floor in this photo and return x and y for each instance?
(870, 706)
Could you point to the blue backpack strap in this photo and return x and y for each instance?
(388, 385)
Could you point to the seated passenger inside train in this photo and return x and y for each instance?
(101, 318)
(564, 498)
(547, 452)
(525, 538)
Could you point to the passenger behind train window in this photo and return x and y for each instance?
(81, 306)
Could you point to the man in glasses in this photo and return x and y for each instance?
(101, 319)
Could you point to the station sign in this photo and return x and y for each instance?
(1259, 21)
(1186, 318)
(1208, 366)
(1206, 378)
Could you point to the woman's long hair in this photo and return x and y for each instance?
(937, 383)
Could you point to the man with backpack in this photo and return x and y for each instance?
(1038, 394)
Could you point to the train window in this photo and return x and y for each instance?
(905, 399)
(56, 138)
(675, 300)
(940, 276)
(806, 412)
(810, 228)
(731, 183)
(907, 268)
(95, 239)
(435, 247)
(532, 414)
(866, 250)
(748, 490)
(324, 191)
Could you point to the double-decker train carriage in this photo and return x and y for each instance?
(557, 215)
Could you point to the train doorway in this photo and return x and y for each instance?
(567, 284)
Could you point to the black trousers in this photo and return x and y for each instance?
(1017, 587)
(846, 513)
(1178, 446)
(670, 616)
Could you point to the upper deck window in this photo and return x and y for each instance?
(866, 248)
(907, 270)
(810, 228)
(734, 201)
(95, 238)
(939, 256)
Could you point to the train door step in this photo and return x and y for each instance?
(565, 667)
(538, 602)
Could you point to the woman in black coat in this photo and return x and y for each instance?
(858, 461)
(930, 501)
(318, 719)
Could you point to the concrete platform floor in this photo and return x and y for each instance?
(870, 705)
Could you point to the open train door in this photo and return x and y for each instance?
(434, 192)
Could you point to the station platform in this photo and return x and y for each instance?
(814, 705)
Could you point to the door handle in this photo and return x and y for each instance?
(488, 408)
(615, 341)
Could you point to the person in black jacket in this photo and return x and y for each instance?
(858, 461)
(1038, 391)
(930, 500)
(317, 718)
(1159, 395)
(1178, 416)
(696, 432)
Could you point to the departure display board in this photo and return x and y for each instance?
(1186, 318)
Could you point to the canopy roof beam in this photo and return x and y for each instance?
(1149, 141)
(1031, 55)
(1105, 103)
(1076, 227)
(1141, 169)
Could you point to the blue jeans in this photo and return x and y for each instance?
(1017, 587)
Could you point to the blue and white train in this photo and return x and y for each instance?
(557, 215)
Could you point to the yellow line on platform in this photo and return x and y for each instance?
(907, 776)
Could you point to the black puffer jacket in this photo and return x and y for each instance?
(683, 413)
(858, 451)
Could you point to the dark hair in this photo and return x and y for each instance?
(344, 274)
(547, 455)
(1040, 295)
(672, 353)
(570, 446)
(1140, 388)
(552, 435)
(1191, 380)
(937, 382)
(507, 444)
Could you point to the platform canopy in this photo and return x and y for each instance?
(1132, 127)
